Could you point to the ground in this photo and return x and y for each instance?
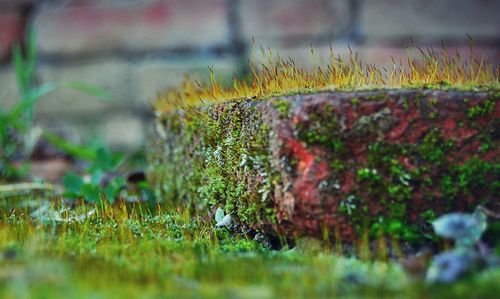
(125, 252)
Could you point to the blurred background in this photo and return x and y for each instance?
(134, 49)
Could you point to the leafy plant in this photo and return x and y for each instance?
(16, 122)
(17, 134)
(98, 181)
(468, 255)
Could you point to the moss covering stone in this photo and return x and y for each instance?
(333, 165)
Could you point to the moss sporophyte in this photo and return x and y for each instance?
(429, 70)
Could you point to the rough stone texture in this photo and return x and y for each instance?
(334, 164)
(139, 26)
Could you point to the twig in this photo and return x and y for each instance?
(489, 212)
(20, 189)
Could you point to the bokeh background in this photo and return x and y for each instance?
(136, 48)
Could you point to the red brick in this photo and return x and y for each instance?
(10, 32)
(432, 18)
(172, 23)
(274, 22)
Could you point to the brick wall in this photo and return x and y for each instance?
(136, 48)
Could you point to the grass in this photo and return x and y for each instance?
(130, 251)
(279, 76)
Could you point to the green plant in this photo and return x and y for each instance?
(17, 122)
(18, 136)
(17, 133)
(97, 183)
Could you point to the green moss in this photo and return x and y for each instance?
(444, 84)
(379, 96)
(481, 109)
(219, 158)
(283, 106)
(169, 255)
(405, 104)
(388, 181)
(475, 176)
(433, 148)
(322, 129)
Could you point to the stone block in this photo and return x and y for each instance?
(333, 164)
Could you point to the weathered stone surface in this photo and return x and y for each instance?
(334, 164)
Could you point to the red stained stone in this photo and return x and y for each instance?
(309, 192)
(313, 209)
(449, 125)
(399, 130)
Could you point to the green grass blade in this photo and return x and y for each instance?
(20, 69)
(89, 89)
(31, 55)
(85, 153)
(29, 100)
